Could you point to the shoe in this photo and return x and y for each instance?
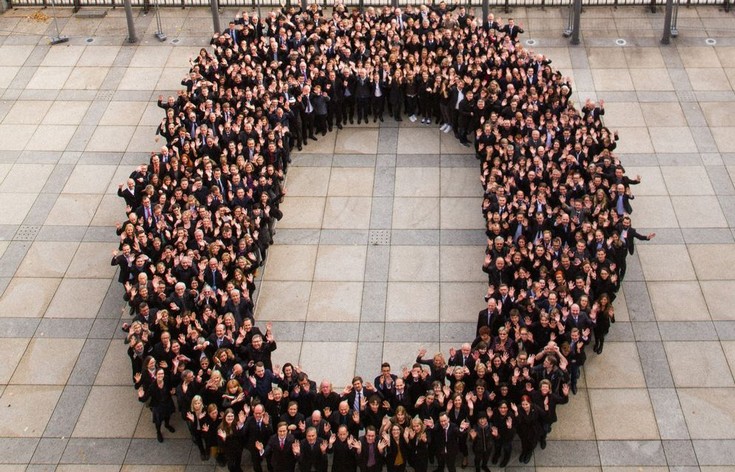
(170, 428)
(542, 443)
(203, 456)
(504, 462)
(324, 133)
(338, 127)
(330, 129)
(465, 144)
(159, 436)
(381, 120)
(375, 120)
(486, 469)
(464, 462)
(412, 118)
(359, 121)
(574, 389)
(312, 137)
(352, 122)
(306, 142)
(449, 128)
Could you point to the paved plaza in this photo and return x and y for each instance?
(380, 249)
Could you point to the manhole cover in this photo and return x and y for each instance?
(175, 41)
(530, 42)
(27, 233)
(621, 42)
(710, 41)
(89, 40)
(379, 237)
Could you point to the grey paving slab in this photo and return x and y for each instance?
(715, 452)
(17, 450)
(335, 331)
(151, 452)
(655, 365)
(89, 362)
(374, 296)
(49, 451)
(680, 453)
(688, 331)
(18, 327)
(638, 453)
(669, 417)
(95, 451)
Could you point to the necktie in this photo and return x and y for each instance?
(446, 439)
(357, 402)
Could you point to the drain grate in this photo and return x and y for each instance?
(27, 233)
(379, 237)
(105, 95)
(686, 96)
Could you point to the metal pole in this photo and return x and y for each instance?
(58, 38)
(362, 5)
(576, 22)
(666, 38)
(215, 15)
(131, 24)
(570, 20)
(159, 24)
(303, 5)
(675, 20)
(485, 9)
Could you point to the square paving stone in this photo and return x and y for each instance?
(143, 140)
(347, 213)
(621, 368)
(341, 366)
(307, 181)
(655, 212)
(302, 212)
(15, 137)
(110, 211)
(720, 298)
(356, 141)
(290, 262)
(73, 210)
(351, 182)
(16, 206)
(27, 297)
(623, 414)
(624, 114)
(340, 263)
(451, 145)
(283, 301)
(643, 57)
(15, 55)
(460, 182)
(66, 113)
(27, 409)
(110, 138)
(723, 138)
(663, 114)
(78, 298)
(414, 263)
(140, 78)
(651, 79)
(13, 352)
(415, 213)
(115, 368)
(51, 137)
(417, 182)
(120, 422)
(575, 419)
(323, 145)
(86, 78)
(652, 182)
(92, 261)
(663, 263)
(89, 179)
(708, 79)
(673, 139)
(335, 301)
(713, 261)
(678, 301)
(418, 140)
(717, 114)
(698, 364)
(47, 259)
(612, 80)
(49, 78)
(709, 412)
(47, 361)
(27, 112)
(461, 213)
(457, 263)
(634, 140)
(65, 56)
(679, 180)
(400, 354)
(98, 56)
(461, 301)
(26, 178)
(699, 212)
(698, 56)
(412, 301)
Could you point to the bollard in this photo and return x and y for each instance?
(131, 24)
(576, 22)
(215, 15)
(666, 38)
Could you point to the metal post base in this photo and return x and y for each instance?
(161, 36)
(59, 40)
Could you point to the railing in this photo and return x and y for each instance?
(494, 4)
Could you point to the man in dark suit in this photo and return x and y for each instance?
(312, 452)
(357, 394)
(279, 449)
(370, 457)
(446, 442)
(336, 92)
(308, 113)
(130, 194)
(463, 358)
(213, 276)
(489, 317)
(257, 430)
(628, 234)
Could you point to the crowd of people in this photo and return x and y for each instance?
(201, 217)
